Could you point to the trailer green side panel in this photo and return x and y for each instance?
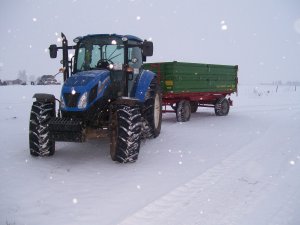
(178, 77)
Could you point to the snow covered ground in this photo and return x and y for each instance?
(234, 170)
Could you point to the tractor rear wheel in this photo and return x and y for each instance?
(125, 133)
(152, 112)
(222, 107)
(183, 111)
(40, 142)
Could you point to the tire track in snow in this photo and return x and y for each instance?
(228, 192)
(206, 190)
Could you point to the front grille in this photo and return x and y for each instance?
(71, 100)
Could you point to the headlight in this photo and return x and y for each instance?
(83, 101)
(62, 102)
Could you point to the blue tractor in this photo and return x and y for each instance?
(106, 93)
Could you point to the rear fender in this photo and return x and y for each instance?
(142, 85)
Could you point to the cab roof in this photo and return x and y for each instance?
(129, 37)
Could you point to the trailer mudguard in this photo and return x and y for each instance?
(142, 84)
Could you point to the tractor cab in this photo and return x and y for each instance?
(122, 56)
(105, 67)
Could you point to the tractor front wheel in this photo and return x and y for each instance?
(40, 142)
(125, 133)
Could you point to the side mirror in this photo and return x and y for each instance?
(53, 51)
(147, 48)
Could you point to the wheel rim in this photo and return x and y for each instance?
(156, 110)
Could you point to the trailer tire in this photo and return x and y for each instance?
(183, 111)
(194, 107)
(40, 141)
(222, 107)
(152, 111)
(125, 133)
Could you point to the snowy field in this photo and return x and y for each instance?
(243, 169)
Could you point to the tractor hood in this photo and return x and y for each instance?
(85, 77)
(81, 90)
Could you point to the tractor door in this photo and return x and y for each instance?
(135, 65)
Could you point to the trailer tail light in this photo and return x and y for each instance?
(169, 83)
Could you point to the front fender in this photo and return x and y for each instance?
(41, 97)
(143, 84)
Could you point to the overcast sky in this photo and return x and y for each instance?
(261, 36)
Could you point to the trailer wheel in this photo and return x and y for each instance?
(194, 107)
(125, 133)
(40, 142)
(183, 111)
(152, 111)
(222, 107)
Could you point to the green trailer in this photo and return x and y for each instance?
(187, 86)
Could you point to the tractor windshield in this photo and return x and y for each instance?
(98, 55)
(96, 52)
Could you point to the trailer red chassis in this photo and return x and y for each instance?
(207, 99)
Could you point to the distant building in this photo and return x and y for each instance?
(47, 80)
(15, 82)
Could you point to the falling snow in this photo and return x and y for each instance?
(292, 162)
(223, 25)
(205, 159)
